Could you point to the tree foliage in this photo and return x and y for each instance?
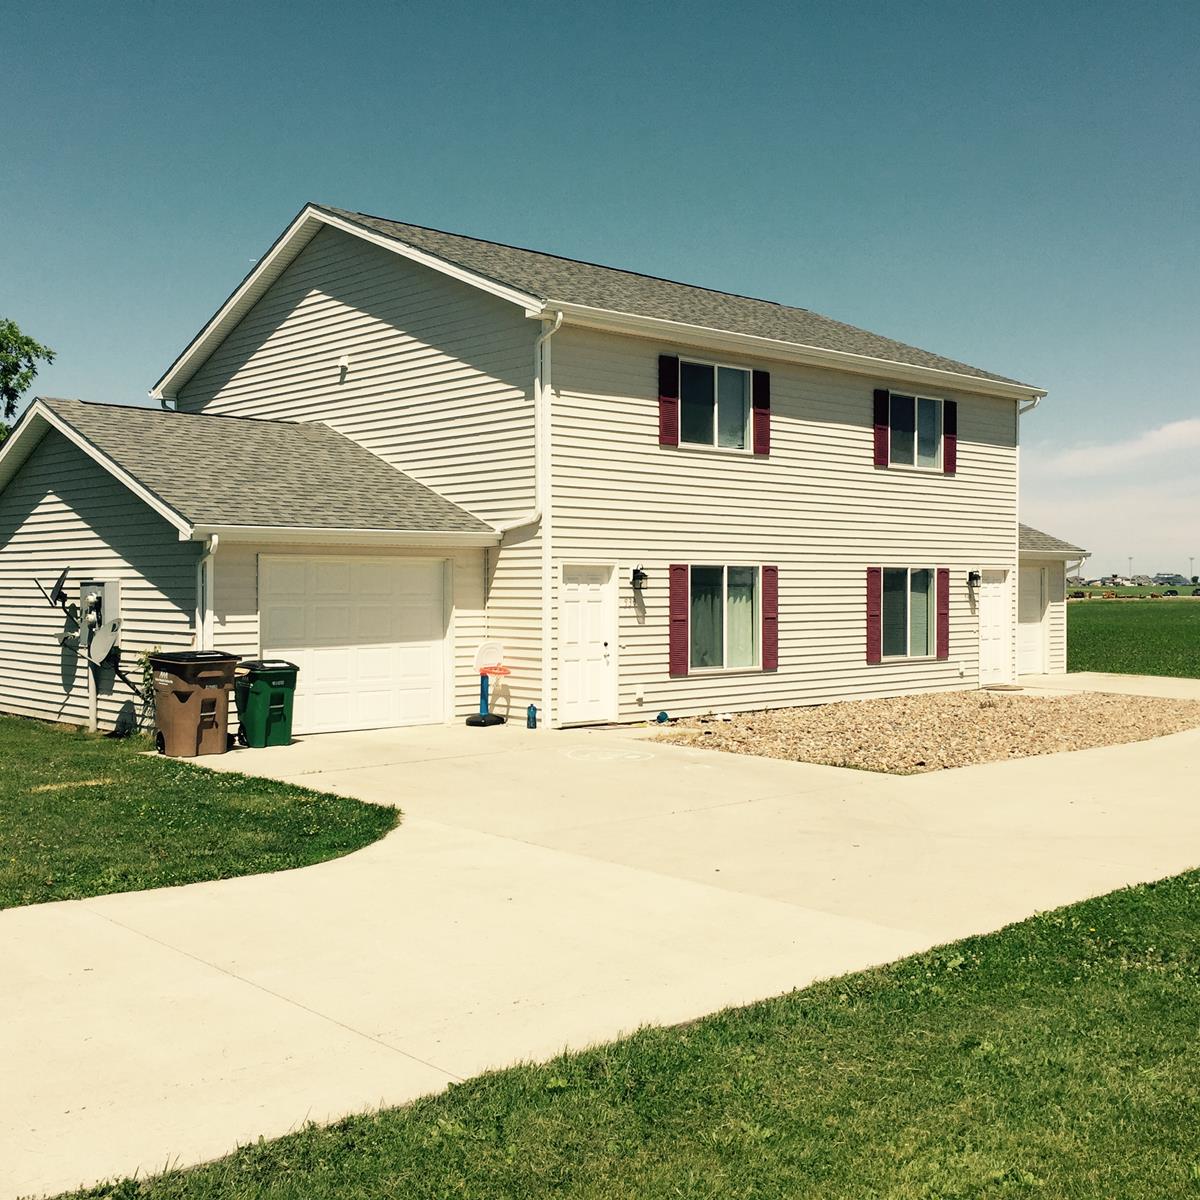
(19, 358)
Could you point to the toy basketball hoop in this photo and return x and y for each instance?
(489, 661)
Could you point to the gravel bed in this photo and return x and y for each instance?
(906, 735)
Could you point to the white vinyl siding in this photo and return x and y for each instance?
(439, 384)
(816, 507)
(62, 509)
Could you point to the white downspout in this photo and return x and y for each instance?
(541, 428)
(540, 512)
(206, 594)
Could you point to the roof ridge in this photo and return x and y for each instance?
(177, 412)
(583, 262)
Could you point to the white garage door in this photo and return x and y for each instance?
(368, 635)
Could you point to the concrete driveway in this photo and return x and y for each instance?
(545, 890)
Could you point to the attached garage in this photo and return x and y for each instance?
(262, 538)
(368, 634)
(1041, 602)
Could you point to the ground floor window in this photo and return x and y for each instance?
(909, 612)
(723, 612)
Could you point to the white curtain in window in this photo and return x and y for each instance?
(706, 617)
(742, 619)
(920, 623)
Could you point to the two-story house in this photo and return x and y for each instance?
(392, 444)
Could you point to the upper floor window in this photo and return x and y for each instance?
(714, 405)
(915, 431)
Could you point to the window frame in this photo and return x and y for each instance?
(725, 668)
(935, 468)
(747, 446)
(931, 626)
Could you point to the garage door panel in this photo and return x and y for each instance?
(374, 579)
(367, 634)
(376, 622)
(331, 578)
(285, 577)
(417, 622)
(330, 623)
(288, 621)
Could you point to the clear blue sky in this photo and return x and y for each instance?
(1011, 184)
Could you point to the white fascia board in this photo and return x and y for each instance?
(1054, 555)
(817, 356)
(277, 259)
(30, 428)
(318, 536)
(34, 424)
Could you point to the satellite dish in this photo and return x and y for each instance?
(103, 639)
(57, 595)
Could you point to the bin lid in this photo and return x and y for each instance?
(266, 664)
(183, 657)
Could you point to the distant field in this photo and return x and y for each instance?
(1155, 638)
(1184, 589)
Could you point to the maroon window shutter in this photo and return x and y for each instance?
(677, 615)
(760, 388)
(881, 427)
(874, 614)
(949, 436)
(943, 612)
(770, 618)
(668, 400)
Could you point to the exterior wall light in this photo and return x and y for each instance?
(974, 579)
(638, 579)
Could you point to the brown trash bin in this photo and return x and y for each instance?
(191, 702)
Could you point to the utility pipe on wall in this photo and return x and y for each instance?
(539, 514)
(206, 593)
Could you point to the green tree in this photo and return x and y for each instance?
(19, 357)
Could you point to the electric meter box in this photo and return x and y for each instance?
(100, 616)
(107, 603)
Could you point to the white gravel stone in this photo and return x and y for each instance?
(905, 735)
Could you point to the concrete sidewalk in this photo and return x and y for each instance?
(1167, 686)
(544, 891)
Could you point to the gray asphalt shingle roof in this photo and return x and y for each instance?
(219, 470)
(548, 277)
(1034, 539)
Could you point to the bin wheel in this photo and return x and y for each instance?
(160, 743)
(242, 740)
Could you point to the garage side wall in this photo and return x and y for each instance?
(816, 507)
(439, 383)
(236, 621)
(62, 509)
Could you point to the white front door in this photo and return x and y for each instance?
(587, 659)
(995, 648)
(368, 635)
(1031, 621)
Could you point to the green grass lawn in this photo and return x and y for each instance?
(1056, 1058)
(1154, 637)
(82, 815)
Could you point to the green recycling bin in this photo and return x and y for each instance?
(265, 690)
